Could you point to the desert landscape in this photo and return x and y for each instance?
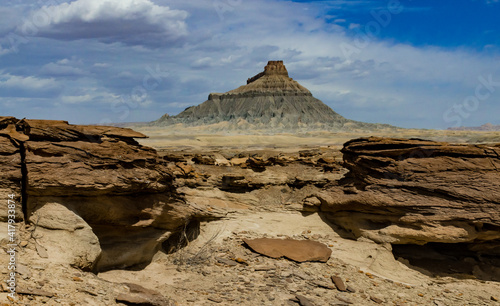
(249, 205)
(264, 152)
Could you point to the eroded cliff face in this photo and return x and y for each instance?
(99, 200)
(411, 191)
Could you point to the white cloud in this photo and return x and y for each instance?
(27, 86)
(55, 69)
(204, 62)
(30, 82)
(76, 99)
(4, 51)
(102, 65)
(128, 21)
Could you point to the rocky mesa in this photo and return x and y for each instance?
(271, 101)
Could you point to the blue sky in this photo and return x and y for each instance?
(421, 64)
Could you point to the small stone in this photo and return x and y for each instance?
(23, 270)
(344, 298)
(23, 243)
(5, 288)
(264, 268)
(77, 279)
(42, 252)
(322, 284)
(241, 261)
(494, 298)
(376, 299)
(226, 262)
(215, 299)
(339, 283)
(303, 301)
(351, 289)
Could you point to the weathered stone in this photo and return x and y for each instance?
(139, 295)
(303, 301)
(376, 299)
(33, 291)
(227, 262)
(322, 284)
(10, 169)
(417, 191)
(215, 299)
(90, 189)
(297, 250)
(339, 283)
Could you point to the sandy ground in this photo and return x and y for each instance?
(175, 139)
(369, 268)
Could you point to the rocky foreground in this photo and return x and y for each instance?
(102, 220)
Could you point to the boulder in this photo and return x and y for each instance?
(66, 237)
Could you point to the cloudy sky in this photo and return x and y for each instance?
(422, 64)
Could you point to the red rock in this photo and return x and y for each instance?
(297, 250)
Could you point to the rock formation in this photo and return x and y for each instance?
(98, 198)
(270, 101)
(414, 191)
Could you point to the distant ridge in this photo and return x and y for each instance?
(483, 128)
(270, 101)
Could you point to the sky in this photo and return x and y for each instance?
(414, 64)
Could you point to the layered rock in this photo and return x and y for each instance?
(11, 170)
(97, 197)
(270, 101)
(414, 191)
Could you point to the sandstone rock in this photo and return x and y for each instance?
(66, 237)
(339, 283)
(10, 169)
(95, 193)
(417, 191)
(297, 250)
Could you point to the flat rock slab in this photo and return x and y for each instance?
(297, 250)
